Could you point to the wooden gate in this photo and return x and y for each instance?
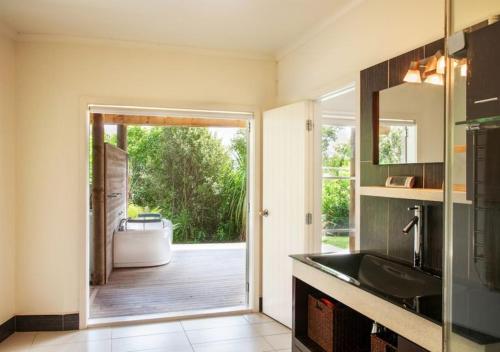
(115, 170)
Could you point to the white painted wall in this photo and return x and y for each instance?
(55, 81)
(7, 177)
(367, 34)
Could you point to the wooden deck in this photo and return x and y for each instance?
(198, 277)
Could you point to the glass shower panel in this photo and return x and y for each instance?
(472, 288)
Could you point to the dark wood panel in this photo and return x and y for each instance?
(399, 65)
(433, 238)
(373, 175)
(432, 48)
(7, 328)
(483, 76)
(433, 175)
(373, 79)
(374, 223)
(401, 245)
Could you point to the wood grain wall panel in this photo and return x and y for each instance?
(374, 223)
(433, 240)
(116, 171)
(373, 79)
(382, 219)
(416, 170)
(373, 175)
(399, 244)
(432, 48)
(434, 175)
(398, 66)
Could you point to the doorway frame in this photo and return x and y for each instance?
(254, 202)
(318, 162)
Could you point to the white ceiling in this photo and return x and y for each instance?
(261, 27)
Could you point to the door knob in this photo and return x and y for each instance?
(264, 213)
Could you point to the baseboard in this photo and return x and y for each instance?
(24, 323)
(7, 328)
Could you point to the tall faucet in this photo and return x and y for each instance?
(417, 223)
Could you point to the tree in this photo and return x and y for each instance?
(391, 146)
(193, 179)
(336, 193)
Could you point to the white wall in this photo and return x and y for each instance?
(367, 34)
(55, 81)
(7, 178)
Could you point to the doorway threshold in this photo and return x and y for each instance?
(163, 317)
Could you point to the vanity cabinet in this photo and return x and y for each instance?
(355, 331)
(483, 76)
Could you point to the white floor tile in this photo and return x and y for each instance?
(88, 346)
(20, 341)
(257, 318)
(175, 341)
(65, 337)
(207, 323)
(271, 328)
(280, 342)
(221, 334)
(257, 344)
(146, 329)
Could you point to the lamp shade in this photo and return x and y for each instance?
(413, 75)
(436, 79)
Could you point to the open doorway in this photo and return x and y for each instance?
(336, 139)
(173, 205)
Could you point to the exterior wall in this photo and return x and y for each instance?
(56, 80)
(7, 178)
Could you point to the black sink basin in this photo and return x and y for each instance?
(388, 278)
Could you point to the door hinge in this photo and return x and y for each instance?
(309, 218)
(309, 125)
(248, 287)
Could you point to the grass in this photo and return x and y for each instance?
(337, 241)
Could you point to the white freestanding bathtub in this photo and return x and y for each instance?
(142, 242)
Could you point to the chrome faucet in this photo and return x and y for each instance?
(417, 223)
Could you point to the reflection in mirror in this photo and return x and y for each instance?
(411, 124)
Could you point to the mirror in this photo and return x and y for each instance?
(411, 124)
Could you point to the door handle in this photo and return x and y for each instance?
(264, 213)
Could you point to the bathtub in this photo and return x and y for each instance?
(142, 242)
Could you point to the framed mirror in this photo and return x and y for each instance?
(410, 124)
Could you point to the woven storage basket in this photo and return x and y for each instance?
(380, 345)
(337, 328)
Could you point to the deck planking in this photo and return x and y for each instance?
(193, 280)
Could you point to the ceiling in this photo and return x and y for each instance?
(262, 27)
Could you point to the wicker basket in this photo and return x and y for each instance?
(320, 318)
(337, 328)
(380, 345)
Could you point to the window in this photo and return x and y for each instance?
(397, 141)
(338, 184)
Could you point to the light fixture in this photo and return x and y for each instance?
(441, 64)
(413, 75)
(463, 67)
(431, 65)
(435, 78)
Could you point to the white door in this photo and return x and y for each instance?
(286, 200)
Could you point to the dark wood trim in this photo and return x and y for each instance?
(25, 323)
(375, 126)
(121, 137)
(98, 277)
(7, 328)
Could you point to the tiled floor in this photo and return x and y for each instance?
(242, 333)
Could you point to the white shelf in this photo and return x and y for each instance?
(426, 194)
